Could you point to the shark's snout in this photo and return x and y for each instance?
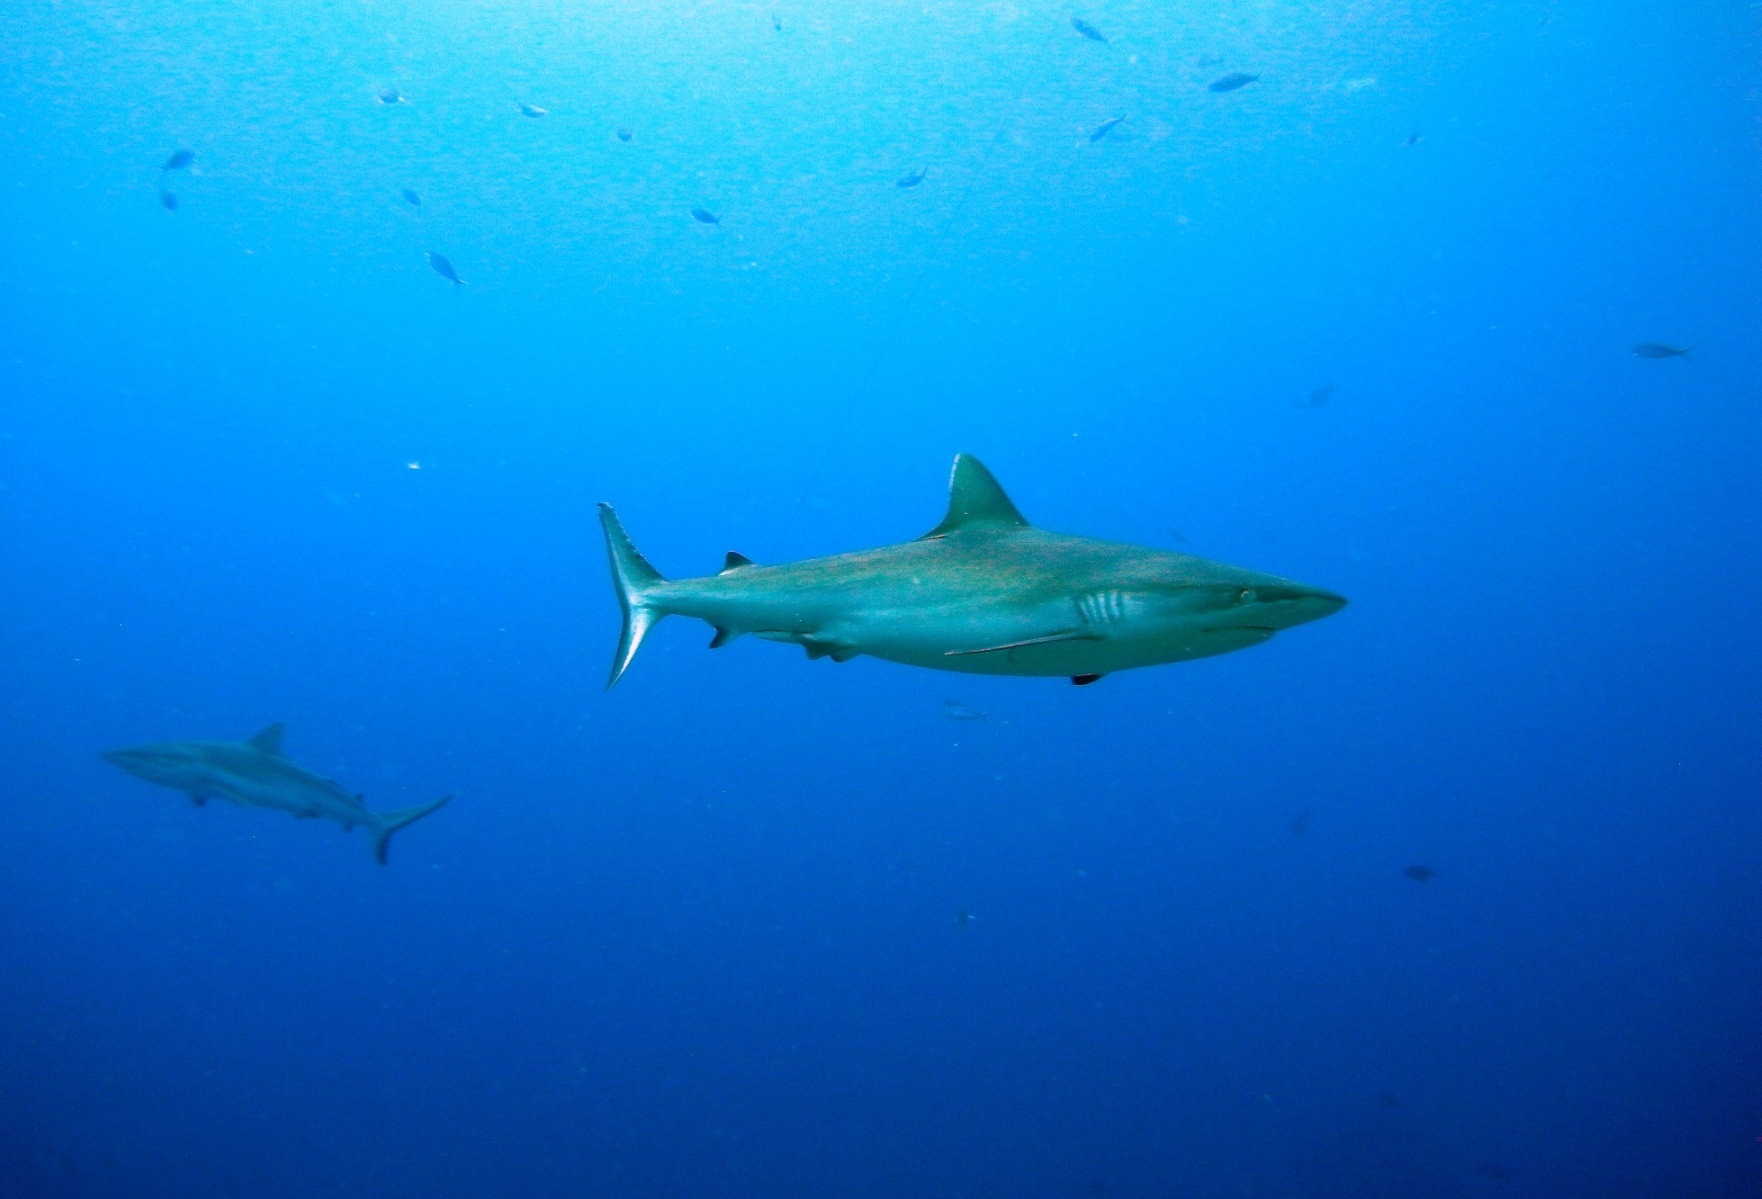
(1268, 607)
(1288, 607)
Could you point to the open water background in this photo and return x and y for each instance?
(757, 926)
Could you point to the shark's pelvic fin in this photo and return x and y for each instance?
(975, 501)
(735, 562)
(1064, 635)
(387, 823)
(634, 580)
(269, 740)
(723, 637)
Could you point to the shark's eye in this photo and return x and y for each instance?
(1245, 596)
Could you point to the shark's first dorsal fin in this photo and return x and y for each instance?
(975, 501)
(735, 562)
(269, 740)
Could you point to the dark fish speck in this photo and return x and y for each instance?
(1657, 349)
(1230, 82)
(179, 160)
(443, 268)
(167, 199)
(911, 180)
(1420, 874)
(390, 95)
(1105, 128)
(706, 216)
(411, 198)
(625, 134)
(1087, 30)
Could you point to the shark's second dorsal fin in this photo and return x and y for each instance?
(269, 740)
(975, 501)
(735, 561)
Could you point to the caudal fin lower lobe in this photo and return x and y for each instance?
(391, 822)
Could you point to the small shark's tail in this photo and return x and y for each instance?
(636, 582)
(391, 822)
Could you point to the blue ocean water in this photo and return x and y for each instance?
(751, 925)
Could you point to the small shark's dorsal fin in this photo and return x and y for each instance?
(735, 561)
(269, 740)
(975, 501)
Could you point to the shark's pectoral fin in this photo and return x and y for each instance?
(1083, 680)
(819, 647)
(1049, 639)
(269, 740)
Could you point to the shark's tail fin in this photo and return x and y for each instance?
(636, 582)
(391, 822)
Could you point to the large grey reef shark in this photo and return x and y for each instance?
(983, 592)
(255, 774)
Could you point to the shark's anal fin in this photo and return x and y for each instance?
(269, 740)
(838, 651)
(975, 501)
(1083, 680)
(1049, 639)
(735, 561)
(723, 637)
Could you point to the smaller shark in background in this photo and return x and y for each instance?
(255, 774)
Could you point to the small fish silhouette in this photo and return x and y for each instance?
(954, 709)
(706, 216)
(777, 23)
(167, 199)
(624, 133)
(179, 160)
(444, 269)
(534, 111)
(1316, 398)
(411, 198)
(1087, 30)
(1420, 874)
(1388, 1099)
(1230, 82)
(912, 179)
(1412, 139)
(390, 95)
(1657, 349)
(1300, 822)
(1105, 128)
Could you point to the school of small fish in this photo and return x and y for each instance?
(184, 159)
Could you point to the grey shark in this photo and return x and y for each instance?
(255, 774)
(983, 592)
